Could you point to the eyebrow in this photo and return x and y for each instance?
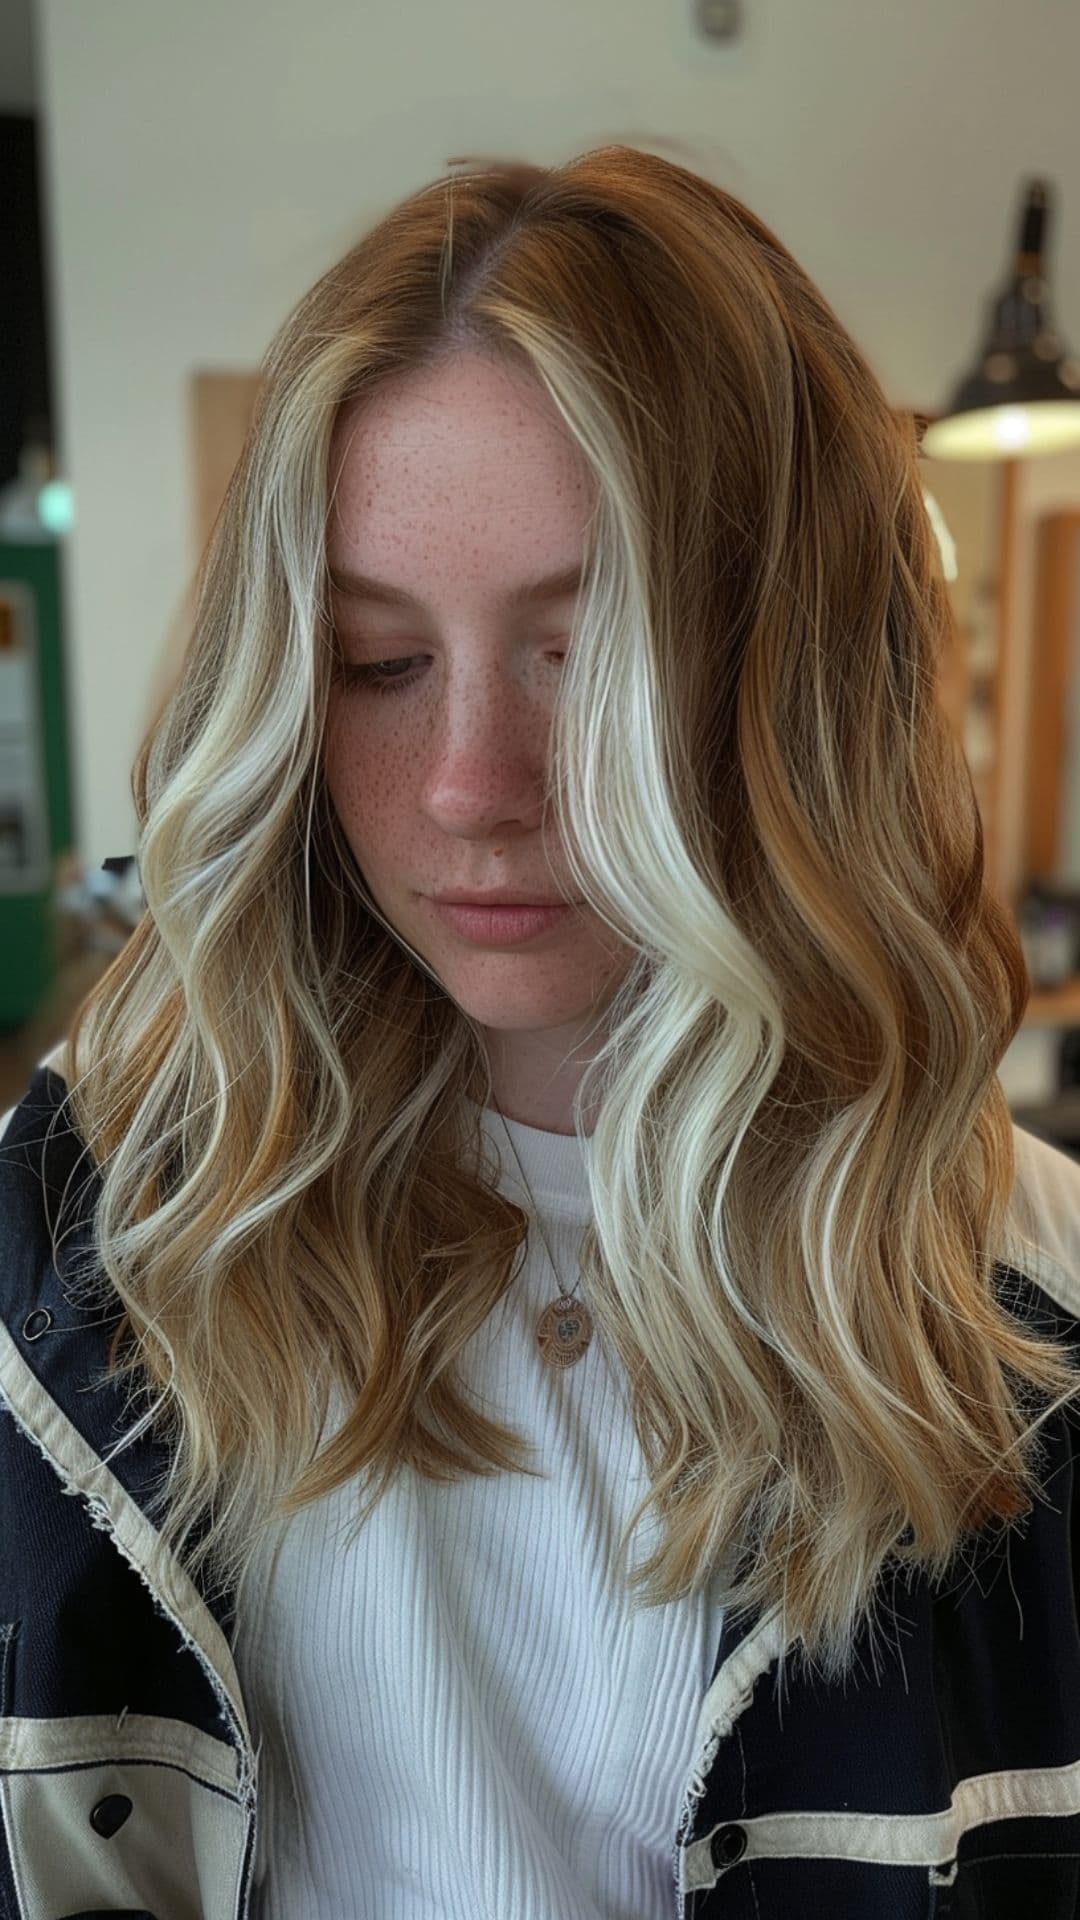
(360, 586)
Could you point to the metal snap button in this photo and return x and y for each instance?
(36, 1323)
(728, 1844)
(110, 1813)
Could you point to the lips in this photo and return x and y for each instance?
(502, 925)
(494, 900)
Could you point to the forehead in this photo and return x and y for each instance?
(466, 469)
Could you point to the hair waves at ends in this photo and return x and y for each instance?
(802, 1160)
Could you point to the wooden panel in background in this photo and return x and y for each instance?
(1057, 620)
(221, 408)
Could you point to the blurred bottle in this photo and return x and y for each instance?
(1048, 921)
(19, 516)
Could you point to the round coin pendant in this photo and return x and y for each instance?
(563, 1331)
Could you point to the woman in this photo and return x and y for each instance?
(575, 557)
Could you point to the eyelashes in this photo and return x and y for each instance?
(374, 678)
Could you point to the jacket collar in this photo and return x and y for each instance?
(53, 1353)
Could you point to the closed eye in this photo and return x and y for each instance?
(378, 676)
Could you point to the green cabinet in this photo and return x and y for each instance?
(36, 821)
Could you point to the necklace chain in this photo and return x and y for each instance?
(565, 1327)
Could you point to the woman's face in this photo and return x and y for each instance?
(459, 489)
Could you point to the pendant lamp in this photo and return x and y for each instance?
(1023, 395)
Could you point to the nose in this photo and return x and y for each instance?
(486, 760)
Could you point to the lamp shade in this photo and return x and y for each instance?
(1023, 394)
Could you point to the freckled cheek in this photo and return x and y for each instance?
(367, 784)
(340, 766)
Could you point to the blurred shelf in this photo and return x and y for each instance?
(1054, 1006)
(21, 1050)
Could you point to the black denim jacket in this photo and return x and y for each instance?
(940, 1779)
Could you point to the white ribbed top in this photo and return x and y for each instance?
(457, 1715)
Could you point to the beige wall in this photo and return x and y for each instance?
(206, 162)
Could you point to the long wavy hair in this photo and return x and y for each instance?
(802, 1157)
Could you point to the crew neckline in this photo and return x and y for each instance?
(555, 1166)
